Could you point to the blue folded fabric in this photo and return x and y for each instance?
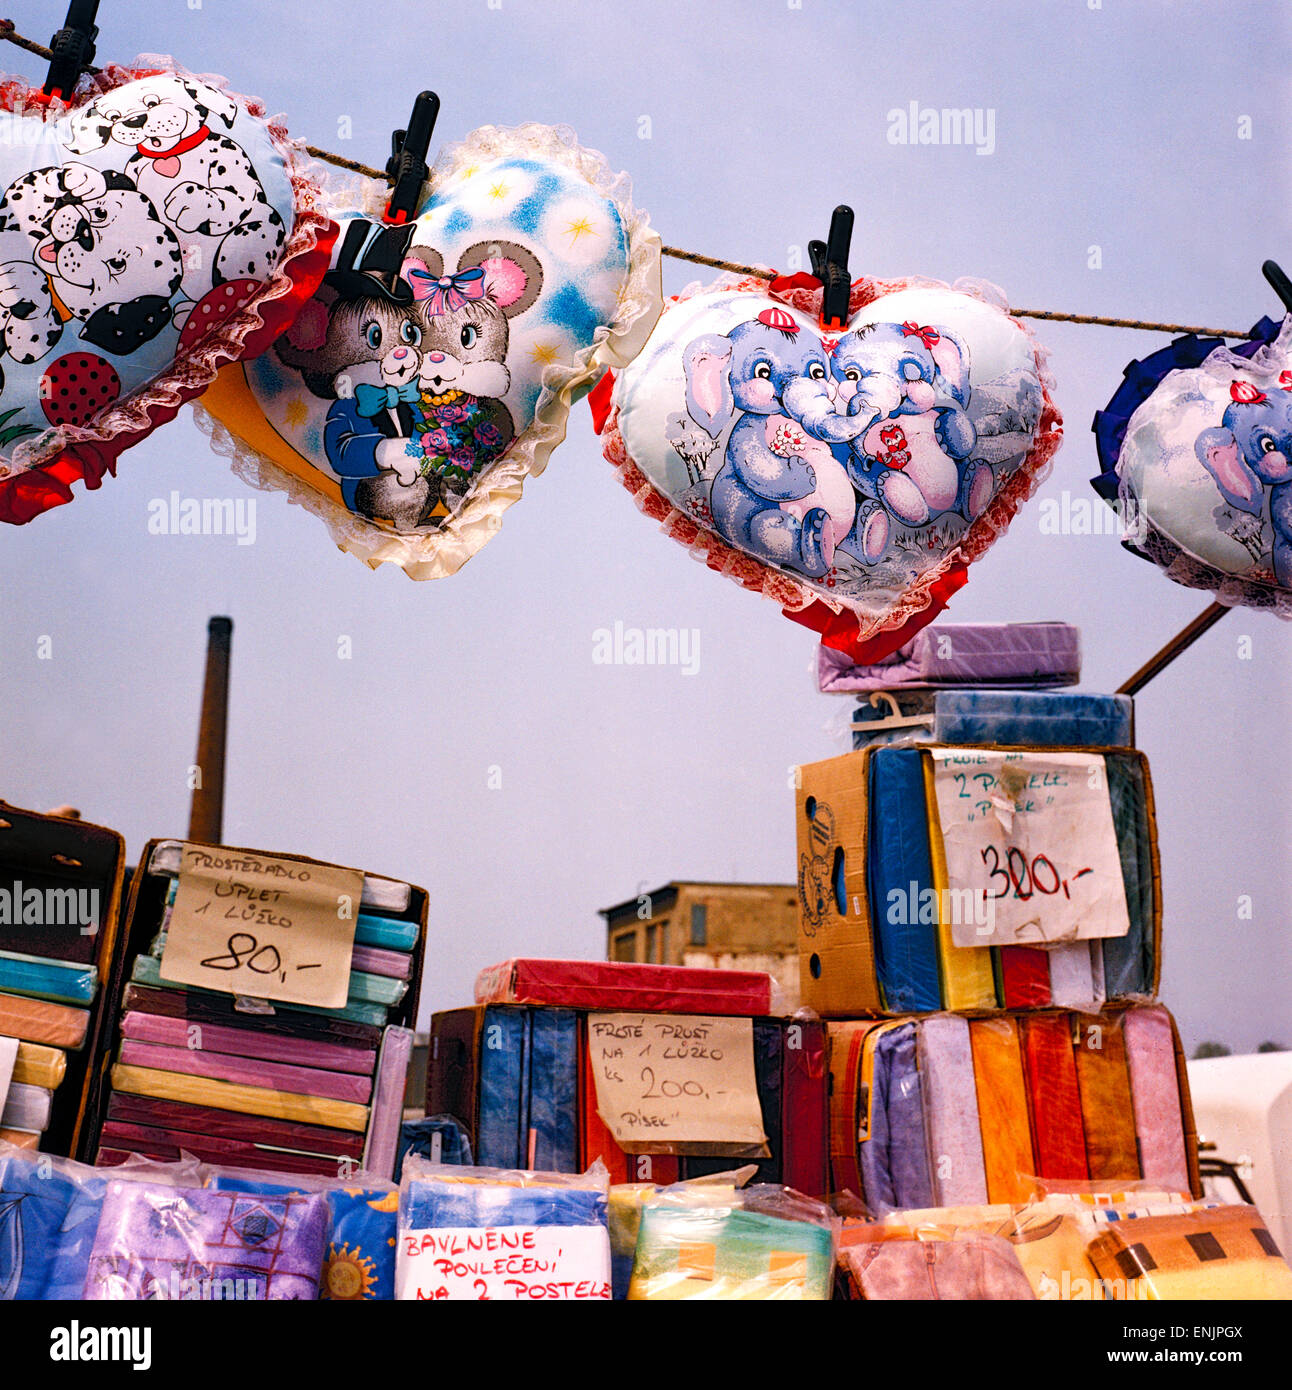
(427, 1203)
(894, 1156)
(47, 1227)
(503, 1115)
(387, 932)
(42, 978)
(1032, 717)
(898, 863)
(439, 1138)
(1129, 961)
(553, 1091)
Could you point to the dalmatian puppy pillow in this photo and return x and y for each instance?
(151, 230)
(433, 371)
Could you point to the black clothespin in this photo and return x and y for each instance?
(406, 167)
(1279, 283)
(72, 48)
(830, 266)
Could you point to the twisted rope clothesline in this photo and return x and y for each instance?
(10, 35)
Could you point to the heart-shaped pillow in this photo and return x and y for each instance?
(851, 476)
(435, 369)
(151, 230)
(1196, 447)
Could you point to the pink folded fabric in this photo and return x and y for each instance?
(248, 1042)
(951, 1108)
(375, 960)
(1155, 1098)
(272, 1076)
(388, 1103)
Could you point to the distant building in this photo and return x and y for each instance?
(727, 926)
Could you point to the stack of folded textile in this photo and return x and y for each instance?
(288, 1087)
(973, 682)
(515, 1070)
(954, 1111)
(871, 835)
(60, 883)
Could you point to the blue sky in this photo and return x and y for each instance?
(1116, 126)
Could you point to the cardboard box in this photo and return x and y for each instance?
(836, 928)
(57, 853)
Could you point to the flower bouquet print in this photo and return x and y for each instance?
(434, 371)
(852, 476)
(1196, 449)
(152, 229)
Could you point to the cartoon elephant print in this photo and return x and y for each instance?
(1251, 450)
(780, 494)
(904, 389)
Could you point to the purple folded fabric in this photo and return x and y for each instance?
(186, 1243)
(951, 1112)
(244, 1071)
(894, 1156)
(1077, 975)
(376, 960)
(944, 654)
(1155, 1098)
(388, 1103)
(249, 1042)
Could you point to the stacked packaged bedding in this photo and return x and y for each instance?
(287, 1086)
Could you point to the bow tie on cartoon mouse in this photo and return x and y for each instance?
(152, 229)
(433, 372)
(848, 464)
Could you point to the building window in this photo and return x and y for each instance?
(625, 946)
(699, 924)
(652, 942)
(662, 958)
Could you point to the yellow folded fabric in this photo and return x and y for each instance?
(247, 1100)
(968, 981)
(39, 1066)
(1002, 1109)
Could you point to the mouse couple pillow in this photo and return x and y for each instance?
(152, 230)
(434, 369)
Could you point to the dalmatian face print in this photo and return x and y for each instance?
(130, 227)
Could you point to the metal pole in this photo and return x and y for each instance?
(1181, 642)
(206, 813)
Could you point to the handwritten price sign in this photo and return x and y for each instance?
(1030, 837)
(267, 928)
(677, 1083)
(503, 1263)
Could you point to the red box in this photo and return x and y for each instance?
(610, 985)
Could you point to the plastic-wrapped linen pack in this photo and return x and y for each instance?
(197, 1244)
(359, 1264)
(965, 1266)
(765, 1243)
(499, 1234)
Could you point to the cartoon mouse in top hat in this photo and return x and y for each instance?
(358, 344)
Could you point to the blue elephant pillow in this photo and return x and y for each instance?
(856, 467)
(1205, 475)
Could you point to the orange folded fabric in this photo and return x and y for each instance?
(20, 1138)
(39, 1021)
(1002, 1109)
(1108, 1114)
(1056, 1101)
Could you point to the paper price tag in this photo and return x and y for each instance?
(1031, 849)
(504, 1263)
(677, 1083)
(262, 927)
